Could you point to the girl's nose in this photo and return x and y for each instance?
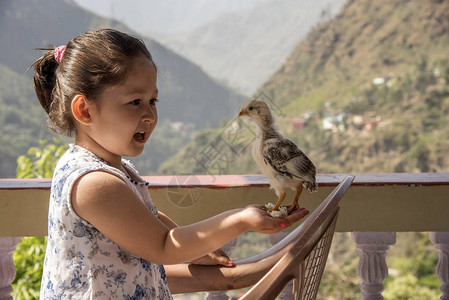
(150, 113)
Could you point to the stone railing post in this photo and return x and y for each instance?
(7, 269)
(441, 243)
(372, 268)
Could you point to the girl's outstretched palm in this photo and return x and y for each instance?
(260, 221)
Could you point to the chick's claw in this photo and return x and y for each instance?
(293, 207)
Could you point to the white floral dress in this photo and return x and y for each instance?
(82, 263)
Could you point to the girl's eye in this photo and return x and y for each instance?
(135, 102)
(153, 101)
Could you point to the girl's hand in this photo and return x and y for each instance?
(218, 257)
(260, 221)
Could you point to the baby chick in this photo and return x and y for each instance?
(284, 164)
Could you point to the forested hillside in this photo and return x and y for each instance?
(22, 123)
(365, 92)
(28, 24)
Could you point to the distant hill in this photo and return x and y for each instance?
(377, 59)
(364, 92)
(366, 39)
(243, 48)
(28, 24)
(22, 123)
(157, 18)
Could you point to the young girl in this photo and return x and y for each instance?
(105, 237)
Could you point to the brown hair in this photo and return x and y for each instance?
(92, 61)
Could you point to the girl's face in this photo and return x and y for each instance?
(126, 114)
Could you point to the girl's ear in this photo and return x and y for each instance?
(80, 109)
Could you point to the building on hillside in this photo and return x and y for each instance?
(385, 80)
(301, 123)
(298, 124)
(335, 122)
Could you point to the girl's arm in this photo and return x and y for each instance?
(167, 221)
(106, 202)
(218, 257)
(186, 278)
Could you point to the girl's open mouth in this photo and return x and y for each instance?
(139, 136)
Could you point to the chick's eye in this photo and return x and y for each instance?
(136, 102)
(250, 108)
(153, 101)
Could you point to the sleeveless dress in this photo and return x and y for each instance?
(82, 263)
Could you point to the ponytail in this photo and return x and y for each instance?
(45, 77)
(47, 88)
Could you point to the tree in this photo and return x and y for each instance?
(30, 253)
(40, 163)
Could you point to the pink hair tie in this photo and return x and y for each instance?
(59, 53)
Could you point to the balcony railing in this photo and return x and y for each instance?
(375, 207)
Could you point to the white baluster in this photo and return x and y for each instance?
(372, 268)
(221, 295)
(441, 243)
(7, 269)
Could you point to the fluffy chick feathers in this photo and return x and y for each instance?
(284, 164)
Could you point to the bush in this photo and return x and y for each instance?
(29, 259)
(30, 253)
(407, 288)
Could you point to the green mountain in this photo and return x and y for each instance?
(22, 124)
(367, 91)
(364, 92)
(28, 24)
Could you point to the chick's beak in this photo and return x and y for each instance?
(243, 112)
